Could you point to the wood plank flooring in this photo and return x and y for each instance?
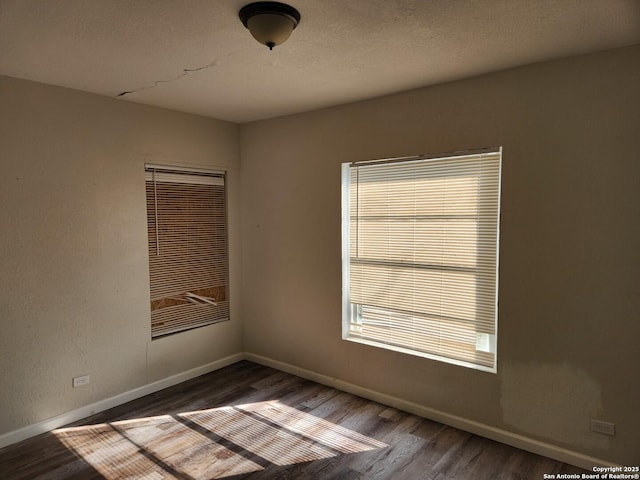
(247, 421)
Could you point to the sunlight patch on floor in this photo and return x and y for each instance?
(211, 444)
(153, 447)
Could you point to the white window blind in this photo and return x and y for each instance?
(420, 256)
(188, 261)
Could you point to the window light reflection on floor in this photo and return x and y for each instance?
(211, 444)
(330, 435)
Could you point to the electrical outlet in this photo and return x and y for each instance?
(81, 380)
(606, 428)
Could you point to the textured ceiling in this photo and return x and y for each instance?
(195, 55)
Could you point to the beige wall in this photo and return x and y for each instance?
(74, 294)
(569, 264)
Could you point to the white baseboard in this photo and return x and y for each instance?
(68, 417)
(487, 431)
(509, 438)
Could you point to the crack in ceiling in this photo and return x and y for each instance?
(185, 72)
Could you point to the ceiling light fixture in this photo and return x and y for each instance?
(270, 23)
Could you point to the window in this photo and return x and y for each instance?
(420, 255)
(188, 261)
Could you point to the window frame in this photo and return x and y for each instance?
(349, 309)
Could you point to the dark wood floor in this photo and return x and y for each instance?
(247, 421)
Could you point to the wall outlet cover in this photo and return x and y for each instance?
(81, 380)
(600, 426)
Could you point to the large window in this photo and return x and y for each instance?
(188, 262)
(420, 255)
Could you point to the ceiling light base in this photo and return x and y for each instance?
(270, 23)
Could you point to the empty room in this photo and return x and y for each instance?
(320, 239)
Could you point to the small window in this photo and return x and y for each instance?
(420, 255)
(188, 261)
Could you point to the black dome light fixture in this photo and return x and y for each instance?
(270, 23)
